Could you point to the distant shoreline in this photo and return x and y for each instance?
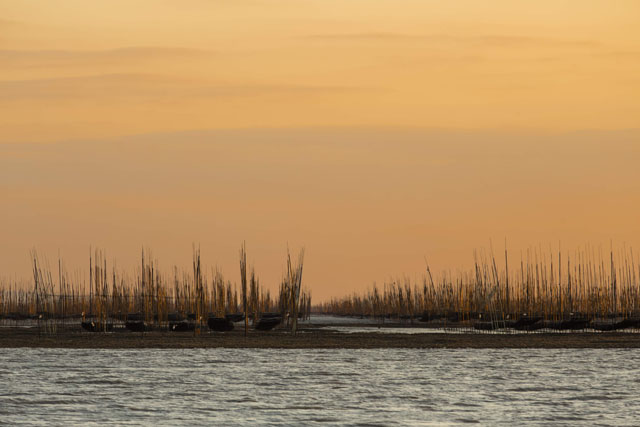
(310, 338)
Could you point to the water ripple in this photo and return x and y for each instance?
(369, 387)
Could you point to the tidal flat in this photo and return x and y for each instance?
(314, 337)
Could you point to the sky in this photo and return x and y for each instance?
(373, 133)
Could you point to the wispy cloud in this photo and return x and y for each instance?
(111, 86)
(500, 40)
(25, 58)
(8, 23)
(620, 54)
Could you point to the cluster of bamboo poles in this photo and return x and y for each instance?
(110, 295)
(550, 285)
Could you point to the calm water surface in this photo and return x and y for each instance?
(307, 387)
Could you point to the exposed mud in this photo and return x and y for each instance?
(310, 337)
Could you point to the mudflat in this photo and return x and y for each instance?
(309, 338)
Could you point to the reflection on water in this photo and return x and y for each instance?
(294, 387)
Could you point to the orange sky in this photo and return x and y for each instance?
(371, 132)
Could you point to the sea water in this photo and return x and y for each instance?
(319, 387)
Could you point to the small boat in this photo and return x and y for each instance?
(427, 317)
(135, 317)
(92, 326)
(137, 326)
(506, 324)
(89, 326)
(485, 326)
(605, 326)
(454, 317)
(628, 323)
(270, 315)
(575, 324)
(526, 323)
(234, 317)
(17, 316)
(536, 326)
(268, 323)
(182, 326)
(220, 324)
(551, 324)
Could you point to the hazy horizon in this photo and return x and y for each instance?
(367, 205)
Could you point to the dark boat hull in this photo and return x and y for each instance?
(605, 326)
(268, 323)
(220, 324)
(270, 316)
(135, 317)
(137, 326)
(484, 326)
(528, 323)
(574, 324)
(96, 327)
(628, 323)
(182, 326)
(234, 317)
(427, 317)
